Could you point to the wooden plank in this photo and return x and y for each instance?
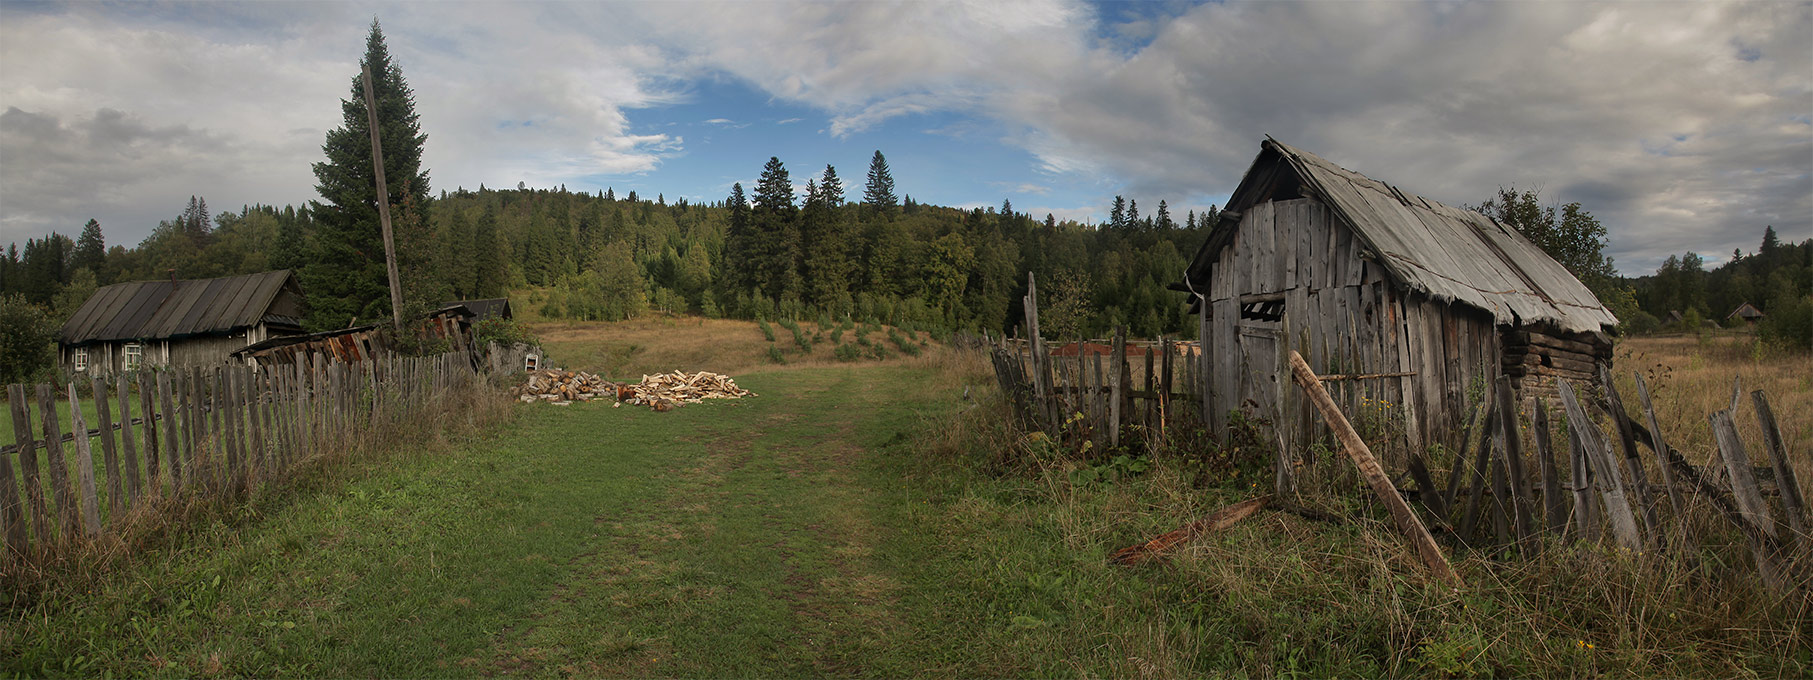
(17, 503)
(1164, 388)
(1793, 504)
(1098, 403)
(1743, 478)
(1374, 475)
(172, 451)
(227, 402)
(1659, 446)
(147, 398)
(110, 455)
(127, 440)
(1501, 484)
(1457, 469)
(1513, 437)
(1554, 511)
(85, 486)
(1586, 511)
(1628, 444)
(1482, 465)
(1605, 470)
(69, 520)
(1151, 380)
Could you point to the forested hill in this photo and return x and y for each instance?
(604, 256)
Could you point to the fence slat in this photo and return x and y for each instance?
(1605, 471)
(103, 412)
(1743, 478)
(1659, 445)
(1785, 480)
(1627, 442)
(234, 413)
(147, 399)
(69, 521)
(1482, 465)
(172, 451)
(1115, 409)
(124, 389)
(12, 498)
(78, 426)
(1554, 510)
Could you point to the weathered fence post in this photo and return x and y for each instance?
(12, 498)
(1374, 475)
(1785, 480)
(1553, 509)
(1660, 446)
(59, 466)
(78, 431)
(28, 464)
(1611, 484)
(1628, 442)
(1520, 506)
(124, 387)
(110, 458)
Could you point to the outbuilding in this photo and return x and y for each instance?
(177, 322)
(1411, 309)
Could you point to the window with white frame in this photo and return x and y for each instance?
(134, 354)
(81, 359)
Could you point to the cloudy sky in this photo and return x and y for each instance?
(1681, 125)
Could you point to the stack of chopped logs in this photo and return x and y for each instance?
(662, 392)
(564, 387)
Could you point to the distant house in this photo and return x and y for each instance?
(1748, 313)
(1415, 307)
(495, 308)
(178, 323)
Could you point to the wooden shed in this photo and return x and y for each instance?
(1412, 307)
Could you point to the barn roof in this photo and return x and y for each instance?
(1746, 312)
(1449, 254)
(484, 309)
(173, 309)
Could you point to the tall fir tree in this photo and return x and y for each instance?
(1117, 215)
(345, 277)
(776, 230)
(825, 231)
(878, 194)
(489, 273)
(738, 255)
(91, 249)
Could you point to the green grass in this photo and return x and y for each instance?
(849, 520)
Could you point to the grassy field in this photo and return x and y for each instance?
(854, 519)
(657, 343)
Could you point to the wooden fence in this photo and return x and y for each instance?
(1495, 497)
(211, 431)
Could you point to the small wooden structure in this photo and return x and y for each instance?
(1747, 312)
(1414, 307)
(177, 323)
(358, 343)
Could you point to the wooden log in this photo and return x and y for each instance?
(110, 455)
(1627, 442)
(1611, 483)
(1554, 510)
(70, 522)
(1373, 474)
(14, 505)
(1527, 338)
(1156, 548)
(1513, 438)
(128, 442)
(1743, 479)
(90, 505)
(1793, 504)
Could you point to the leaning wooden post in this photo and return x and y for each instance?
(377, 164)
(1659, 445)
(1375, 475)
(84, 455)
(1785, 479)
(1120, 376)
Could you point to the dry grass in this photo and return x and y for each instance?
(656, 343)
(1690, 377)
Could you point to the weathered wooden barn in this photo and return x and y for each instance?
(494, 308)
(1412, 306)
(177, 323)
(452, 323)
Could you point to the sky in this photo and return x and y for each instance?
(1680, 125)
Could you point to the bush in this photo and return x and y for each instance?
(767, 330)
(774, 354)
(1789, 323)
(503, 332)
(26, 335)
(847, 352)
(906, 345)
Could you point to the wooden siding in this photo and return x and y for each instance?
(1345, 317)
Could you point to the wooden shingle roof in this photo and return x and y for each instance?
(1449, 254)
(141, 310)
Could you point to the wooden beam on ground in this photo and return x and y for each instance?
(1217, 521)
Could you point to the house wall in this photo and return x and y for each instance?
(1346, 318)
(108, 358)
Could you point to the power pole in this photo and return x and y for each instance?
(390, 244)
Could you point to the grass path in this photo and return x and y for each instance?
(718, 539)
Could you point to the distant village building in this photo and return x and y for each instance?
(495, 308)
(177, 323)
(1749, 314)
(1416, 306)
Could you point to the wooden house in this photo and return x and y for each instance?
(1412, 307)
(177, 323)
(1747, 313)
(494, 308)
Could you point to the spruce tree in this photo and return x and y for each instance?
(738, 256)
(776, 231)
(878, 194)
(488, 269)
(91, 249)
(345, 276)
(827, 243)
(1117, 216)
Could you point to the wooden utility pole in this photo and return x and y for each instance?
(390, 244)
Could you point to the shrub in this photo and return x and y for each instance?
(774, 354)
(504, 332)
(767, 330)
(26, 333)
(848, 352)
(906, 345)
(1789, 323)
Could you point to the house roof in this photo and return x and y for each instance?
(1449, 254)
(174, 309)
(484, 309)
(1745, 311)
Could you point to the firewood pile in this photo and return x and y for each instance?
(662, 392)
(665, 390)
(564, 387)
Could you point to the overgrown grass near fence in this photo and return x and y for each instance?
(215, 438)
